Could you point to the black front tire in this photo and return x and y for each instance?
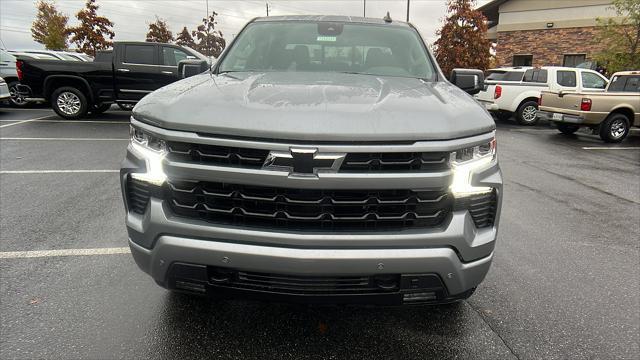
(126, 107)
(527, 113)
(615, 128)
(16, 99)
(69, 103)
(567, 129)
(96, 110)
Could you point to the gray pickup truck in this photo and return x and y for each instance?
(321, 159)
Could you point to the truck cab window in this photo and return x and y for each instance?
(567, 78)
(172, 56)
(139, 54)
(535, 75)
(592, 81)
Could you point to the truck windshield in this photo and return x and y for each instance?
(372, 49)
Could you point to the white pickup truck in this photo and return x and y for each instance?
(515, 90)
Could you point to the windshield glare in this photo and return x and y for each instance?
(335, 47)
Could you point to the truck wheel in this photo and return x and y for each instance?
(16, 99)
(96, 110)
(567, 129)
(614, 128)
(126, 106)
(527, 113)
(69, 103)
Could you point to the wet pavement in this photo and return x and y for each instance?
(565, 281)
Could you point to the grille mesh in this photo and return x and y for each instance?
(400, 162)
(483, 209)
(217, 155)
(308, 209)
(138, 195)
(354, 162)
(304, 284)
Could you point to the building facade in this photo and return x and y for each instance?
(545, 32)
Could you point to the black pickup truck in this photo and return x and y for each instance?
(124, 75)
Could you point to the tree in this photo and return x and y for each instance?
(159, 32)
(94, 32)
(463, 41)
(620, 38)
(183, 38)
(210, 40)
(50, 26)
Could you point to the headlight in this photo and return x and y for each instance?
(153, 150)
(465, 162)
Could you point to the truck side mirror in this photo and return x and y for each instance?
(187, 68)
(469, 80)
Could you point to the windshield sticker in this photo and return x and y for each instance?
(326, 38)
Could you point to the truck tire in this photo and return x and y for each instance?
(69, 103)
(567, 129)
(99, 109)
(614, 128)
(125, 106)
(527, 113)
(16, 99)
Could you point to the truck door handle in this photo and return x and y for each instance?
(168, 72)
(124, 70)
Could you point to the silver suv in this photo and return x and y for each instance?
(322, 159)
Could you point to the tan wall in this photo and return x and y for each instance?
(526, 5)
(548, 46)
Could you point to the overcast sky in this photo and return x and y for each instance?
(131, 18)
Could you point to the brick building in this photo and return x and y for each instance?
(545, 32)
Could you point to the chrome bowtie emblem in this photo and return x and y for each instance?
(303, 161)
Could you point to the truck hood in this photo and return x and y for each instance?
(315, 107)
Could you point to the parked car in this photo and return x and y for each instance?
(610, 114)
(47, 54)
(4, 91)
(9, 74)
(75, 88)
(321, 159)
(515, 90)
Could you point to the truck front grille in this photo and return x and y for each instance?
(354, 162)
(217, 155)
(395, 162)
(304, 284)
(305, 209)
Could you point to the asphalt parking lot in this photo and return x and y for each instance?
(565, 282)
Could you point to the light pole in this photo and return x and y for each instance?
(408, 10)
(364, 8)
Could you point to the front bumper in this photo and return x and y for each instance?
(4, 91)
(200, 255)
(489, 105)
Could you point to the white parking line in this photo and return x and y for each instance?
(24, 121)
(60, 139)
(56, 171)
(611, 148)
(64, 252)
(76, 121)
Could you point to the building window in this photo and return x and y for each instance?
(522, 60)
(573, 60)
